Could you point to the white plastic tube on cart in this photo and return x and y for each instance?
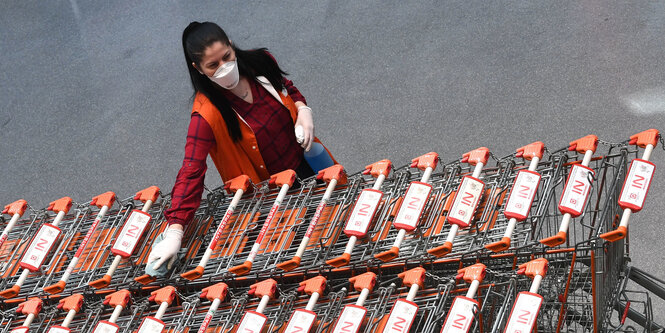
(352, 315)
(403, 312)
(302, 320)
(119, 300)
(164, 297)
(363, 211)
(31, 309)
(254, 321)
(462, 312)
(578, 187)
(637, 183)
(40, 246)
(104, 201)
(216, 294)
(238, 186)
(525, 310)
(72, 305)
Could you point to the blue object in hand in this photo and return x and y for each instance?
(162, 270)
(318, 158)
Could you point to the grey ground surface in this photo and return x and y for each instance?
(94, 96)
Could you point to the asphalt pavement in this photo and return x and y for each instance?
(95, 96)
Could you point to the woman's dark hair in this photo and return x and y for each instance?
(251, 63)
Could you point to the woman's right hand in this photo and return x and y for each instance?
(306, 122)
(168, 248)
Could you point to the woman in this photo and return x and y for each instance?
(244, 115)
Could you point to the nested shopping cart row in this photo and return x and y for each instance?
(553, 293)
(536, 202)
(61, 247)
(451, 210)
(392, 216)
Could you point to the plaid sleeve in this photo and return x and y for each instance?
(295, 94)
(188, 187)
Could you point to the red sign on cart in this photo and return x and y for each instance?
(412, 206)
(301, 321)
(460, 316)
(522, 194)
(401, 317)
(525, 311)
(151, 325)
(106, 327)
(363, 213)
(636, 186)
(466, 201)
(576, 192)
(58, 329)
(40, 247)
(131, 233)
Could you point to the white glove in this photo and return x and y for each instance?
(166, 249)
(306, 130)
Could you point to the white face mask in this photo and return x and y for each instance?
(227, 75)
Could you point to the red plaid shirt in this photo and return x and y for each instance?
(272, 125)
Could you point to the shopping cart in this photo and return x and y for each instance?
(38, 256)
(481, 217)
(369, 220)
(288, 225)
(106, 254)
(283, 238)
(86, 248)
(231, 242)
(589, 286)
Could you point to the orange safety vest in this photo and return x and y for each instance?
(233, 159)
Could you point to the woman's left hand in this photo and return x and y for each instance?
(307, 123)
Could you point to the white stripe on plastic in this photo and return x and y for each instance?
(312, 301)
(262, 305)
(115, 314)
(535, 285)
(363, 297)
(161, 310)
(413, 291)
(69, 318)
(473, 289)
